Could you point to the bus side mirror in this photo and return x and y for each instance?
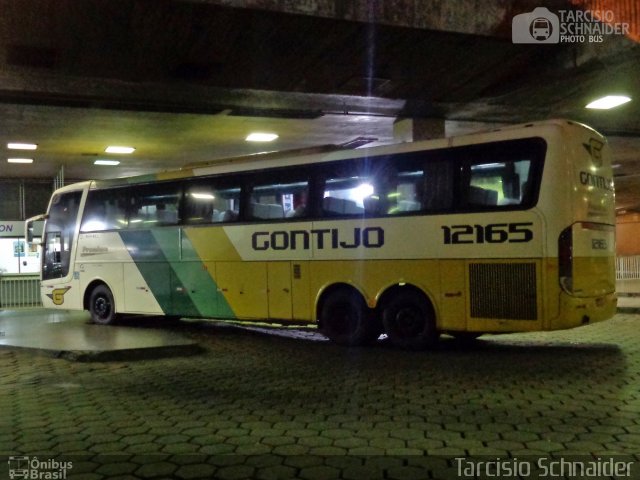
(28, 226)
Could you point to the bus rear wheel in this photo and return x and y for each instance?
(409, 321)
(102, 306)
(346, 320)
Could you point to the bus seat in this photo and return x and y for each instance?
(352, 208)
(332, 205)
(228, 216)
(299, 211)
(341, 206)
(267, 210)
(408, 206)
(275, 210)
(371, 205)
(482, 196)
(167, 217)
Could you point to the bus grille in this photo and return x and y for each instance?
(503, 290)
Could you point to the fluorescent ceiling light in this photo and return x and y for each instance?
(20, 160)
(610, 101)
(203, 196)
(106, 162)
(261, 137)
(117, 149)
(22, 146)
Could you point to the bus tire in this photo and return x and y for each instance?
(102, 306)
(409, 321)
(346, 320)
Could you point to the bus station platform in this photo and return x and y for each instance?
(70, 335)
(287, 404)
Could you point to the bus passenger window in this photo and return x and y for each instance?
(154, 205)
(498, 184)
(105, 210)
(274, 201)
(405, 196)
(346, 196)
(211, 201)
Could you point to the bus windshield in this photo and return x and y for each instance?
(58, 235)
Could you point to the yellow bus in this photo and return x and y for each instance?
(510, 230)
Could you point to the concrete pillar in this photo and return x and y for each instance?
(413, 129)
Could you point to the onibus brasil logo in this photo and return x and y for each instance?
(36, 469)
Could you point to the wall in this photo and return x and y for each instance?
(628, 234)
(15, 255)
(20, 199)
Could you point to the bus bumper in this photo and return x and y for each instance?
(576, 311)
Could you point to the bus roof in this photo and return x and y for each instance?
(328, 153)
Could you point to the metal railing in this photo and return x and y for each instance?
(628, 268)
(20, 291)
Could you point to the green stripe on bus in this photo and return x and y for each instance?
(158, 273)
(195, 281)
(181, 287)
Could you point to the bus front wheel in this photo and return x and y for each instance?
(101, 306)
(346, 319)
(409, 321)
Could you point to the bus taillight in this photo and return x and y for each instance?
(565, 259)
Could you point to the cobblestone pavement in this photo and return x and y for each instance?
(258, 404)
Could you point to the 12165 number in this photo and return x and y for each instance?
(491, 233)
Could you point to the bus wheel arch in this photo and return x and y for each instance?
(99, 301)
(409, 317)
(344, 317)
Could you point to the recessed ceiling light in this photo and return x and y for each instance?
(106, 162)
(610, 101)
(22, 146)
(20, 160)
(261, 137)
(203, 196)
(119, 149)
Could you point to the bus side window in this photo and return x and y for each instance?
(154, 205)
(405, 195)
(498, 183)
(345, 192)
(211, 200)
(105, 210)
(280, 198)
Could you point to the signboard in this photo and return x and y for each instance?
(15, 228)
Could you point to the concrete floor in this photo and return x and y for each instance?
(70, 335)
(628, 293)
(281, 404)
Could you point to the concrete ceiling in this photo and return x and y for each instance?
(186, 81)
